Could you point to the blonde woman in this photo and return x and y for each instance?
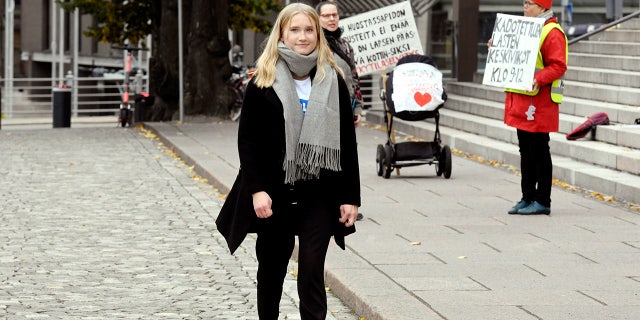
(299, 163)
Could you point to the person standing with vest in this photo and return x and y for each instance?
(535, 113)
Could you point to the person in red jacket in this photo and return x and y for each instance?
(535, 113)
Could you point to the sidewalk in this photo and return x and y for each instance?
(432, 248)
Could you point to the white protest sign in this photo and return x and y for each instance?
(511, 61)
(416, 87)
(381, 37)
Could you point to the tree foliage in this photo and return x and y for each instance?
(121, 20)
(250, 14)
(116, 20)
(206, 45)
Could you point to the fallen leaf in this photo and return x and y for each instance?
(200, 179)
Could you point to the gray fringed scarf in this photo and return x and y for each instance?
(546, 15)
(312, 139)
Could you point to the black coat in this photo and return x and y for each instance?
(261, 147)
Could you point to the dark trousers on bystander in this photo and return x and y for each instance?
(536, 167)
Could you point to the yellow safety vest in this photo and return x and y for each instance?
(557, 86)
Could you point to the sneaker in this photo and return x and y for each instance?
(535, 208)
(359, 217)
(520, 205)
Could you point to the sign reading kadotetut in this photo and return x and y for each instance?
(511, 61)
(381, 37)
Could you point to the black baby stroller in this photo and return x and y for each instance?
(414, 93)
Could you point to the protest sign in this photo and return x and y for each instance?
(511, 61)
(417, 87)
(381, 37)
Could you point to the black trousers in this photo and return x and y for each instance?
(273, 249)
(536, 166)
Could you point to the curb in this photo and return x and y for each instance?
(335, 280)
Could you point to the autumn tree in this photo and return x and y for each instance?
(205, 26)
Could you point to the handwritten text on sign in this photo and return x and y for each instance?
(381, 37)
(511, 61)
(417, 87)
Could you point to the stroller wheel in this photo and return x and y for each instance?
(380, 159)
(439, 167)
(440, 163)
(388, 160)
(445, 161)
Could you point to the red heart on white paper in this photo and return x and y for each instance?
(422, 98)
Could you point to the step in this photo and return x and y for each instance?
(624, 136)
(476, 90)
(605, 61)
(620, 185)
(629, 49)
(614, 157)
(602, 92)
(600, 153)
(601, 75)
(495, 111)
(633, 24)
(617, 35)
(620, 113)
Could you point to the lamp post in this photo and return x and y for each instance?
(180, 76)
(8, 55)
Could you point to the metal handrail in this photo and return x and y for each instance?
(604, 27)
(32, 97)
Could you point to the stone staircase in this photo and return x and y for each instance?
(603, 76)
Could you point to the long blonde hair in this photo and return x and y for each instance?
(266, 64)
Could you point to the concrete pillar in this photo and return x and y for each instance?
(614, 10)
(465, 19)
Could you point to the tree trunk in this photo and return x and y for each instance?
(205, 59)
(207, 64)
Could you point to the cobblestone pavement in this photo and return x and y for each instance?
(106, 223)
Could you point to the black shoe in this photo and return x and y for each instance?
(359, 217)
(535, 208)
(520, 205)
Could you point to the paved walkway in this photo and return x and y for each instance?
(101, 222)
(431, 248)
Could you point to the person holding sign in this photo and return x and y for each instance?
(342, 52)
(535, 112)
(343, 55)
(298, 163)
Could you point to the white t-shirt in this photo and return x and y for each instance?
(303, 87)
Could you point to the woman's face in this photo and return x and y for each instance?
(531, 9)
(300, 34)
(329, 17)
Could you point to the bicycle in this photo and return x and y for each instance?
(126, 109)
(240, 77)
(239, 80)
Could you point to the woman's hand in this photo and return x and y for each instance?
(262, 204)
(348, 214)
(356, 120)
(535, 85)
